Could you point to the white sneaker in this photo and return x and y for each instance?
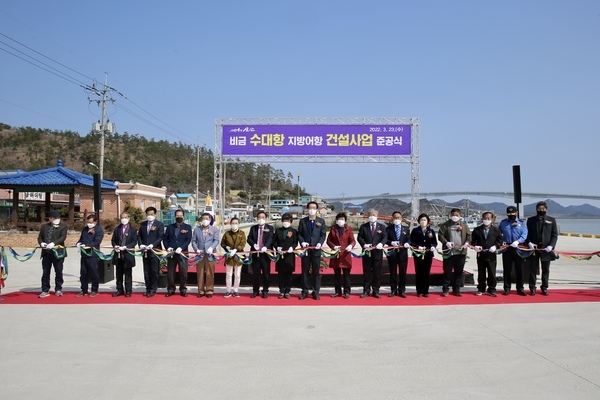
(478, 293)
(227, 295)
(58, 293)
(43, 294)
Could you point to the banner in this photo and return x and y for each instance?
(316, 140)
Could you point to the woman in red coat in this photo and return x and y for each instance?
(341, 237)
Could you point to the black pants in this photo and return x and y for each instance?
(261, 270)
(176, 260)
(312, 260)
(285, 281)
(398, 263)
(122, 270)
(89, 270)
(486, 275)
(341, 277)
(49, 260)
(422, 271)
(510, 257)
(371, 273)
(453, 270)
(151, 264)
(533, 261)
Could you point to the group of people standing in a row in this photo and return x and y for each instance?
(538, 234)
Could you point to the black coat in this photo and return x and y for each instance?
(548, 237)
(366, 237)
(286, 238)
(128, 240)
(494, 239)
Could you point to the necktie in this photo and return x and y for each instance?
(149, 227)
(372, 230)
(312, 224)
(485, 233)
(260, 237)
(123, 230)
(398, 232)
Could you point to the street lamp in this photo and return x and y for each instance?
(94, 165)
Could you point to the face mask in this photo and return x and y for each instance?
(234, 227)
(90, 226)
(312, 212)
(56, 221)
(512, 217)
(541, 213)
(261, 221)
(341, 222)
(179, 220)
(124, 221)
(205, 222)
(397, 222)
(487, 222)
(150, 218)
(423, 223)
(455, 218)
(372, 218)
(286, 224)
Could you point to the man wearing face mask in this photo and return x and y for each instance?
(514, 233)
(341, 238)
(285, 241)
(398, 236)
(454, 236)
(542, 235)
(150, 236)
(486, 239)
(311, 233)
(124, 238)
(234, 240)
(51, 235)
(177, 240)
(260, 238)
(372, 236)
(205, 241)
(90, 239)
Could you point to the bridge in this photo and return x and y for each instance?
(431, 195)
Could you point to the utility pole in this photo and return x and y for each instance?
(103, 126)
(298, 199)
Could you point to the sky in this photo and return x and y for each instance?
(494, 84)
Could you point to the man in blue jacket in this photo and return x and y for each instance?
(90, 239)
(177, 240)
(514, 234)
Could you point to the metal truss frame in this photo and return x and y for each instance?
(221, 161)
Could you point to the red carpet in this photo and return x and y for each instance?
(556, 296)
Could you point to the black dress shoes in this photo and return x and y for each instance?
(127, 294)
(151, 294)
(336, 295)
(364, 294)
(253, 295)
(169, 294)
(208, 296)
(444, 293)
(200, 295)
(392, 294)
(316, 296)
(265, 295)
(506, 292)
(545, 292)
(458, 293)
(402, 294)
(302, 296)
(532, 292)
(117, 294)
(183, 293)
(521, 292)
(346, 296)
(376, 295)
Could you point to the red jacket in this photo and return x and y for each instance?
(334, 239)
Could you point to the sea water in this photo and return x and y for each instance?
(579, 225)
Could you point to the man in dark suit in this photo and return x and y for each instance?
(372, 236)
(150, 235)
(124, 238)
(260, 238)
(398, 236)
(51, 239)
(311, 232)
(90, 239)
(487, 239)
(177, 239)
(542, 235)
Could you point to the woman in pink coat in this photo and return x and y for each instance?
(341, 237)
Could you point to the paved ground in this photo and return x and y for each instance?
(549, 351)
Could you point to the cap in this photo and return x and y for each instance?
(54, 214)
(511, 209)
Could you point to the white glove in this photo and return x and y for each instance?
(432, 249)
(178, 250)
(256, 246)
(421, 248)
(170, 249)
(532, 246)
(349, 248)
(79, 245)
(263, 249)
(478, 248)
(43, 245)
(209, 250)
(199, 251)
(117, 248)
(406, 245)
(304, 244)
(227, 248)
(379, 246)
(291, 250)
(515, 244)
(395, 243)
(337, 247)
(232, 252)
(464, 246)
(123, 248)
(549, 248)
(318, 246)
(279, 249)
(450, 245)
(368, 245)
(50, 245)
(150, 246)
(142, 247)
(492, 249)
